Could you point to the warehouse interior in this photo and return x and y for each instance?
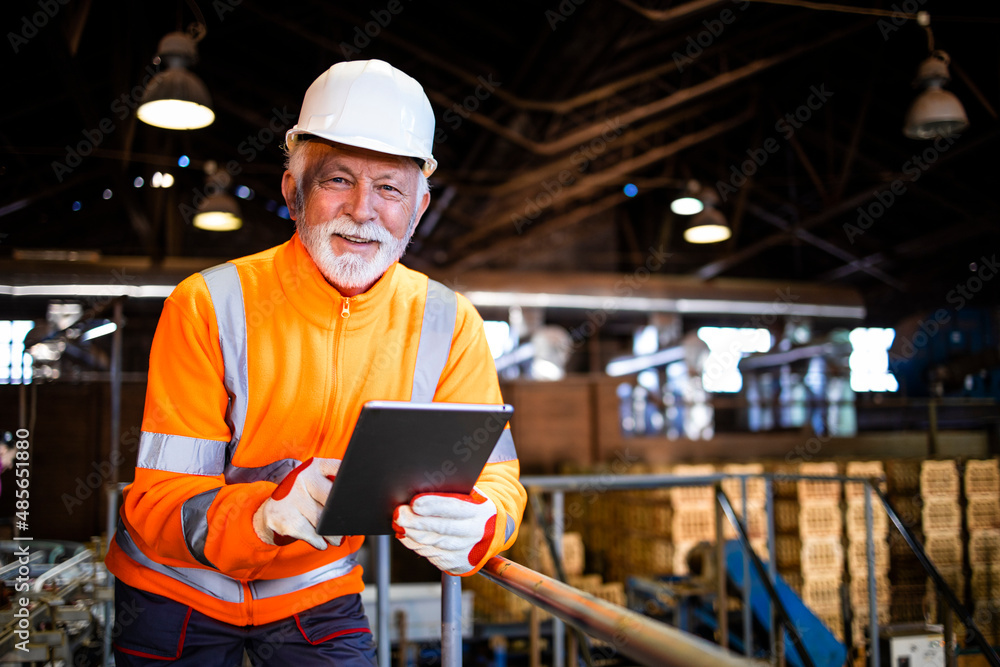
(842, 323)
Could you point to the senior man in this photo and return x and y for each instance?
(258, 371)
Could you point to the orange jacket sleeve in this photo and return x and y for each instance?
(186, 397)
(470, 376)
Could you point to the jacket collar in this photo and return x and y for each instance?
(319, 301)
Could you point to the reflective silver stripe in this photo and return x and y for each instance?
(178, 453)
(194, 524)
(273, 472)
(504, 451)
(227, 300)
(210, 583)
(440, 312)
(227, 589)
(270, 588)
(510, 527)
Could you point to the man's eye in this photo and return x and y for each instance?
(389, 188)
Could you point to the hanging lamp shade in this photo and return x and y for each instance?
(219, 212)
(176, 99)
(709, 226)
(935, 112)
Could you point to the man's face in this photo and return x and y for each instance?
(360, 210)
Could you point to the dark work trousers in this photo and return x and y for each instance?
(153, 630)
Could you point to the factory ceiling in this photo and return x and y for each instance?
(545, 111)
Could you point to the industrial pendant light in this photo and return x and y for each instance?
(708, 226)
(218, 211)
(687, 203)
(176, 99)
(935, 112)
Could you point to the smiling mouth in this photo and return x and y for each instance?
(354, 239)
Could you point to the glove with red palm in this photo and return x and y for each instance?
(452, 530)
(292, 511)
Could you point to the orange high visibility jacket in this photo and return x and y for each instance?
(258, 364)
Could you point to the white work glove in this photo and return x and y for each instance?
(292, 511)
(451, 530)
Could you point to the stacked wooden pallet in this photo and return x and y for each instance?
(787, 541)
(857, 548)
(907, 577)
(821, 530)
(941, 523)
(982, 493)
(693, 514)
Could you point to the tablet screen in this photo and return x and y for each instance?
(399, 449)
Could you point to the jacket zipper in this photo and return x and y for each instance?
(339, 328)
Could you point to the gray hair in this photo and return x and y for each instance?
(295, 162)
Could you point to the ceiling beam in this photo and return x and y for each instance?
(824, 245)
(587, 184)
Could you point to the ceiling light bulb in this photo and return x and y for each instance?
(709, 226)
(687, 205)
(219, 212)
(217, 221)
(176, 99)
(707, 234)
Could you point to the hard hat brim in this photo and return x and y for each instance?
(294, 135)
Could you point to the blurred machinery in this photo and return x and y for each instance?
(56, 604)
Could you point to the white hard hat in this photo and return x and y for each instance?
(369, 104)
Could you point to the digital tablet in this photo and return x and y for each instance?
(399, 449)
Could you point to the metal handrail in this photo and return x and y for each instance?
(632, 634)
(558, 484)
(939, 583)
(779, 606)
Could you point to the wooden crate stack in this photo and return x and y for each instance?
(821, 531)
(643, 546)
(941, 522)
(756, 521)
(693, 519)
(624, 532)
(857, 548)
(787, 542)
(982, 493)
(906, 576)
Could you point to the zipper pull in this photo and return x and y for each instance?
(345, 312)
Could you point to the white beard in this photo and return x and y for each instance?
(349, 271)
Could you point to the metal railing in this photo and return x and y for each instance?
(657, 647)
(632, 634)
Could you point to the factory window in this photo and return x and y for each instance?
(497, 337)
(869, 360)
(727, 345)
(15, 364)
